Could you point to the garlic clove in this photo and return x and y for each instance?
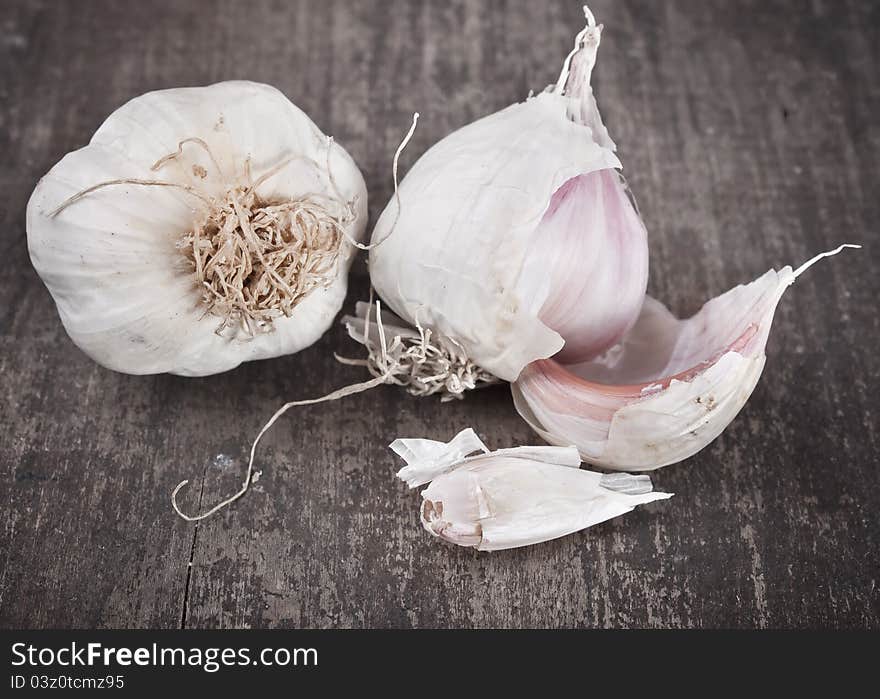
(475, 205)
(586, 269)
(668, 389)
(518, 497)
(112, 260)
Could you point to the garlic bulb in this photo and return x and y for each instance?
(200, 228)
(512, 497)
(513, 236)
(518, 255)
(668, 389)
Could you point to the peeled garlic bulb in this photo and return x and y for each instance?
(668, 389)
(200, 228)
(513, 235)
(512, 497)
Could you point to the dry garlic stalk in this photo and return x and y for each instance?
(512, 497)
(200, 228)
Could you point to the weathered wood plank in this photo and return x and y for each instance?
(749, 134)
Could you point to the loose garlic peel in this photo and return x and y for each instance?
(200, 228)
(512, 497)
(668, 389)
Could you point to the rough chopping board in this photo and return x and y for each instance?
(750, 136)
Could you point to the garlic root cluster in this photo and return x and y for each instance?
(200, 228)
(416, 359)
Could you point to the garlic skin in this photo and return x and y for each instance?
(427, 459)
(668, 389)
(513, 497)
(112, 259)
(522, 185)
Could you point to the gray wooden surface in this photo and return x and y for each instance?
(750, 135)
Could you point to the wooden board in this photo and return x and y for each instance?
(749, 133)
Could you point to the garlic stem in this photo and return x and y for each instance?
(335, 395)
(579, 38)
(128, 180)
(394, 162)
(173, 156)
(829, 253)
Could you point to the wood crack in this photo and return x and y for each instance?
(192, 554)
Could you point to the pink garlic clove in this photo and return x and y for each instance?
(586, 269)
(668, 389)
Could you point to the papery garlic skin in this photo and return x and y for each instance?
(468, 216)
(111, 260)
(513, 497)
(426, 459)
(504, 503)
(668, 389)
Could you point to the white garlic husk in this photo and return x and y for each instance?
(514, 237)
(200, 228)
(512, 497)
(668, 389)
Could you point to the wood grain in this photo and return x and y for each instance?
(749, 132)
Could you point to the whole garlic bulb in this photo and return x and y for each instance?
(513, 236)
(200, 228)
